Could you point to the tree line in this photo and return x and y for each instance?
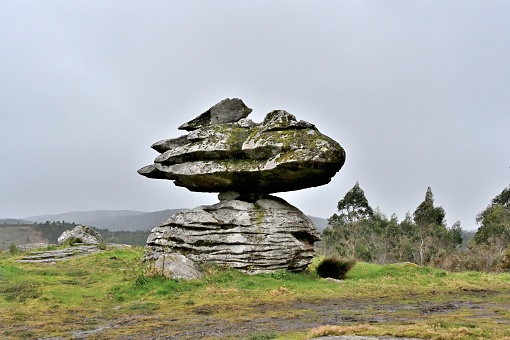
(358, 232)
(52, 231)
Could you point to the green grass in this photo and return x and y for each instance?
(114, 290)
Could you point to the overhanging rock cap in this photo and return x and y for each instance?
(224, 151)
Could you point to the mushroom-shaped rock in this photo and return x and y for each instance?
(235, 154)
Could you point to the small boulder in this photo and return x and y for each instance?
(226, 111)
(177, 266)
(82, 234)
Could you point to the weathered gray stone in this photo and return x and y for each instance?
(52, 256)
(169, 144)
(261, 236)
(226, 111)
(279, 120)
(81, 234)
(281, 154)
(177, 266)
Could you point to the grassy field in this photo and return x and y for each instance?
(108, 295)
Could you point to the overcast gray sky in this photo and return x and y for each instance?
(417, 92)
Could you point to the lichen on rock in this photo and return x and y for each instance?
(280, 154)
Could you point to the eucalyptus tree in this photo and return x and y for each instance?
(404, 243)
(495, 222)
(432, 237)
(350, 226)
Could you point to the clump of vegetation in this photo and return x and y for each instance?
(20, 291)
(71, 241)
(13, 249)
(334, 267)
(102, 246)
(262, 336)
(337, 330)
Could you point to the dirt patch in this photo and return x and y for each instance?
(298, 315)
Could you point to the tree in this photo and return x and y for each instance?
(456, 233)
(404, 239)
(347, 229)
(432, 236)
(380, 239)
(503, 198)
(495, 222)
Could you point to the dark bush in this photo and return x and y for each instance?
(335, 267)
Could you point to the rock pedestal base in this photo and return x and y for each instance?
(252, 233)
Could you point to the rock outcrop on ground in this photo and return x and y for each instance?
(248, 229)
(81, 234)
(261, 236)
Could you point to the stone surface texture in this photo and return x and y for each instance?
(177, 266)
(244, 162)
(261, 236)
(280, 154)
(81, 234)
(226, 111)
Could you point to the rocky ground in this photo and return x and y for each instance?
(39, 255)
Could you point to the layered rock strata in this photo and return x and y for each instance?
(248, 229)
(264, 235)
(280, 154)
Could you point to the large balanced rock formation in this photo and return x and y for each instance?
(281, 154)
(250, 230)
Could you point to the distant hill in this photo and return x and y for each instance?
(127, 220)
(320, 223)
(19, 234)
(121, 225)
(14, 221)
(114, 220)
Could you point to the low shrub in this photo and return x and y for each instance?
(71, 241)
(102, 246)
(13, 249)
(477, 257)
(334, 267)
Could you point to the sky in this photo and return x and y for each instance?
(416, 92)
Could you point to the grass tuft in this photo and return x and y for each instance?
(337, 330)
(144, 307)
(334, 267)
(262, 336)
(21, 291)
